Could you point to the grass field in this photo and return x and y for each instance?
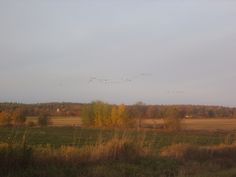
(59, 136)
(53, 151)
(66, 149)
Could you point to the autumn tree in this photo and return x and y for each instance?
(96, 114)
(173, 119)
(120, 117)
(123, 119)
(87, 115)
(5, 118)
(100, 114)
(19, 116)
(114, 116)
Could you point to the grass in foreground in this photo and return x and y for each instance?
(76, 152)
(117, 157)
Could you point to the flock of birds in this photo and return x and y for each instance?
(119, 81)
(128, 80)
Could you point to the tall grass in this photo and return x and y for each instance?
(120, 156)
(118, 148)
(223, 155)
(134, 154)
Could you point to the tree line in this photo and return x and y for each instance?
(137, 110)
(18, 116)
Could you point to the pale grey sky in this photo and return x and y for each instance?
(49, 50)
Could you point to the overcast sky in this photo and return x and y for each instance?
(118, 51)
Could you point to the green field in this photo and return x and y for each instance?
(53, 138)
(58, 136)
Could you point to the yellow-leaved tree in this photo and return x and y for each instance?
(100, 114)
(114, 116)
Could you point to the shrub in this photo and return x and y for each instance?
(43, 120)
(173, 124)
(173, 119)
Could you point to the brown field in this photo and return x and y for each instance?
(198, 124)
(60, 121)
(188, 124)
(68, 121)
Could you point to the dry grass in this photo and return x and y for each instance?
(115, 149)
(202, 160)
(68, 121)
(223, 155)
(123, 148)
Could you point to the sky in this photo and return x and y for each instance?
(155, 51)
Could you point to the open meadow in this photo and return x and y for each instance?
(65, 146)
(79, 152)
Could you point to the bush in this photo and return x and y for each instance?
(43, 120)
(173, 119)
(173, 124)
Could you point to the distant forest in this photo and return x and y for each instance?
(135, 111)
